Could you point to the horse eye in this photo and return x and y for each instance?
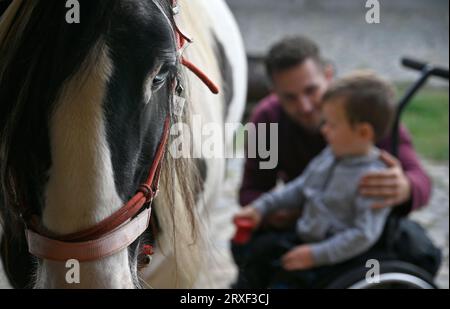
(161, 77)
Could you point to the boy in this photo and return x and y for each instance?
(337, 223)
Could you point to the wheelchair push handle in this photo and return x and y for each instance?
(421, 66)
(426, 71)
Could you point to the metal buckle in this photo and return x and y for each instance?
(176, 9)
(147, 191)
(179, 101)
(23, 220)
(183, 48)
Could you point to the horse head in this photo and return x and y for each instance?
(84, 114)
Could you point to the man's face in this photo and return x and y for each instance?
(300, 90)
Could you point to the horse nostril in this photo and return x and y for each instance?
(148, 259)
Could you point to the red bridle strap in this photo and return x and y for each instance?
(182, 40)
(110, 235)
(86, 251)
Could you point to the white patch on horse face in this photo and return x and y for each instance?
(110, 272)
(81, 190)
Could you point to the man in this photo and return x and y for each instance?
(299, 78)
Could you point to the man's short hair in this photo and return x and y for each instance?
(290, 52)
(367, 98)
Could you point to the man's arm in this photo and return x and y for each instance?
(405, 183)
(418, 178)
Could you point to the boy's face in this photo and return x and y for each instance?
(344, 139)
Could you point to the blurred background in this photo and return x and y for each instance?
(413, 28)
(407, 27)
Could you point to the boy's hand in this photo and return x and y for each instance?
(299, 258)
(391, 185)
(251, 213)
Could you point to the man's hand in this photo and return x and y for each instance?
(251, 213)
(391, 185)
(299, 258)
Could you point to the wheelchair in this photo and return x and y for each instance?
(403, 258)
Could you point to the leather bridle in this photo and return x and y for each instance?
(122, 228)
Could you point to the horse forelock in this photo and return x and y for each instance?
(35, 62)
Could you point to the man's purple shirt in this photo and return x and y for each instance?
(297, 147)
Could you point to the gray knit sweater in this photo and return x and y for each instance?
(337, 221)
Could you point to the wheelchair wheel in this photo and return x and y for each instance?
(393, 275)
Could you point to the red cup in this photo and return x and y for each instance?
(244, 230)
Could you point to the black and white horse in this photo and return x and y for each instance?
(82, 111)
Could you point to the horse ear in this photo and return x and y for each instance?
(4, 5)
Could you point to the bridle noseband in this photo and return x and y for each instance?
(121, 229)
